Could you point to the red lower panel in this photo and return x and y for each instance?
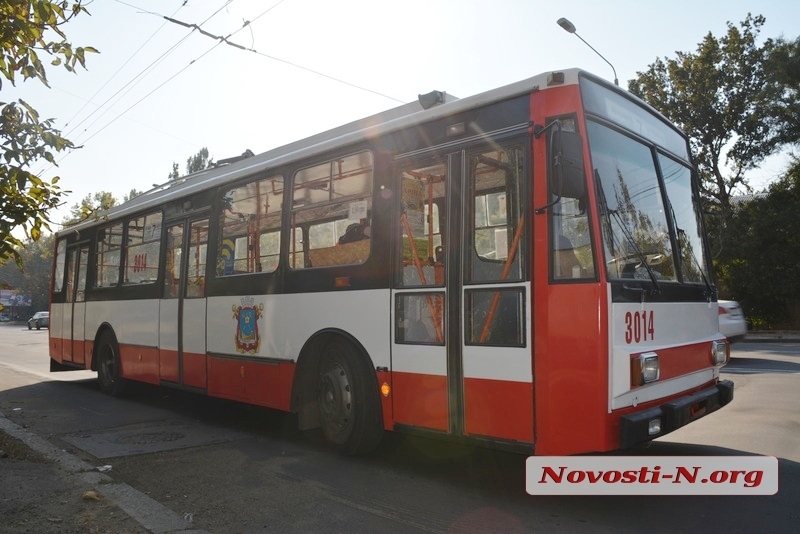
(56, 348)
(194, 370)
(263, 384)
(139, 363)
(78, 351)
(499, 409)
(420, 400)
(66, 350)
(168, 367)
(88, 351)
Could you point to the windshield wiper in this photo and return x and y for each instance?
(710, 292)
(680, 232)
(605, 211)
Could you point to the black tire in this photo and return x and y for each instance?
(38, 326)
(30, 327)
(108, 365)
(349, 403)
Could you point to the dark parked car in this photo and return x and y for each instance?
(39, 320)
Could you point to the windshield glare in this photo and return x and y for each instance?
(678, 183)
(633, 216)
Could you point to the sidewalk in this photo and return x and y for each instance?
(44, 489)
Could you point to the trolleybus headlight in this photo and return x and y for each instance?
(654, 426)
(644, 369)
(720, 352)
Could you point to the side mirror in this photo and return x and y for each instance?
(568, 178)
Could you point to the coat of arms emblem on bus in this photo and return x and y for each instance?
(247, 315)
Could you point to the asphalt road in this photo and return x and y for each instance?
(234, 468)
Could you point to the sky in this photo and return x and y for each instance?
(159, 91)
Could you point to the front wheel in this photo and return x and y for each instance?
(109, 372)
(348, 399)
(30, 327)
(38, 326)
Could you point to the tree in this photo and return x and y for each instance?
(28, 29)
(724, 99)
(758, 264)
(37, 259)
(34, 280)
(195, 163)
(133, 193)
(199, 161)
(783, 64)
(175, 174)
(89, 206)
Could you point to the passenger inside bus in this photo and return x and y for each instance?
(354, 232)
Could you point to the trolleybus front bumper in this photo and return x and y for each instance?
(638, 427)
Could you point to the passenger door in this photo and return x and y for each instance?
(182, 321)
(75, 310)
(461, 346)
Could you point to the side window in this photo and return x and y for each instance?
(331, 213)
(498, 232)
(61, 261)
(83, 258)
(571, 253)
(250, 223)
(143, 250)
(499, 224)
(109, 248)
(419, 316)
(421, 222)
(172, 267)
(72, 259)
(196, 259)
(571, 241)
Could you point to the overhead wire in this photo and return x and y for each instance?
(128, 87)
(220, 40)
(135, 53)
(226, 40)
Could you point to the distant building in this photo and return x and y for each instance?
(740, 200)
(14, 304)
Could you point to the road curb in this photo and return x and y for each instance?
(783, 336)
(149, 513)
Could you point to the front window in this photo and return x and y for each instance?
(636, 216)
(678, 182)
(636, 235)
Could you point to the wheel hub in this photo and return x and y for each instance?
(335, 397)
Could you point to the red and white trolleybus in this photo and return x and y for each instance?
(526, 267)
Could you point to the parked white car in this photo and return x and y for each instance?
(732, 323)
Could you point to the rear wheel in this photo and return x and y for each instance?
(38, 326)
(108, 365)
(348, 399)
